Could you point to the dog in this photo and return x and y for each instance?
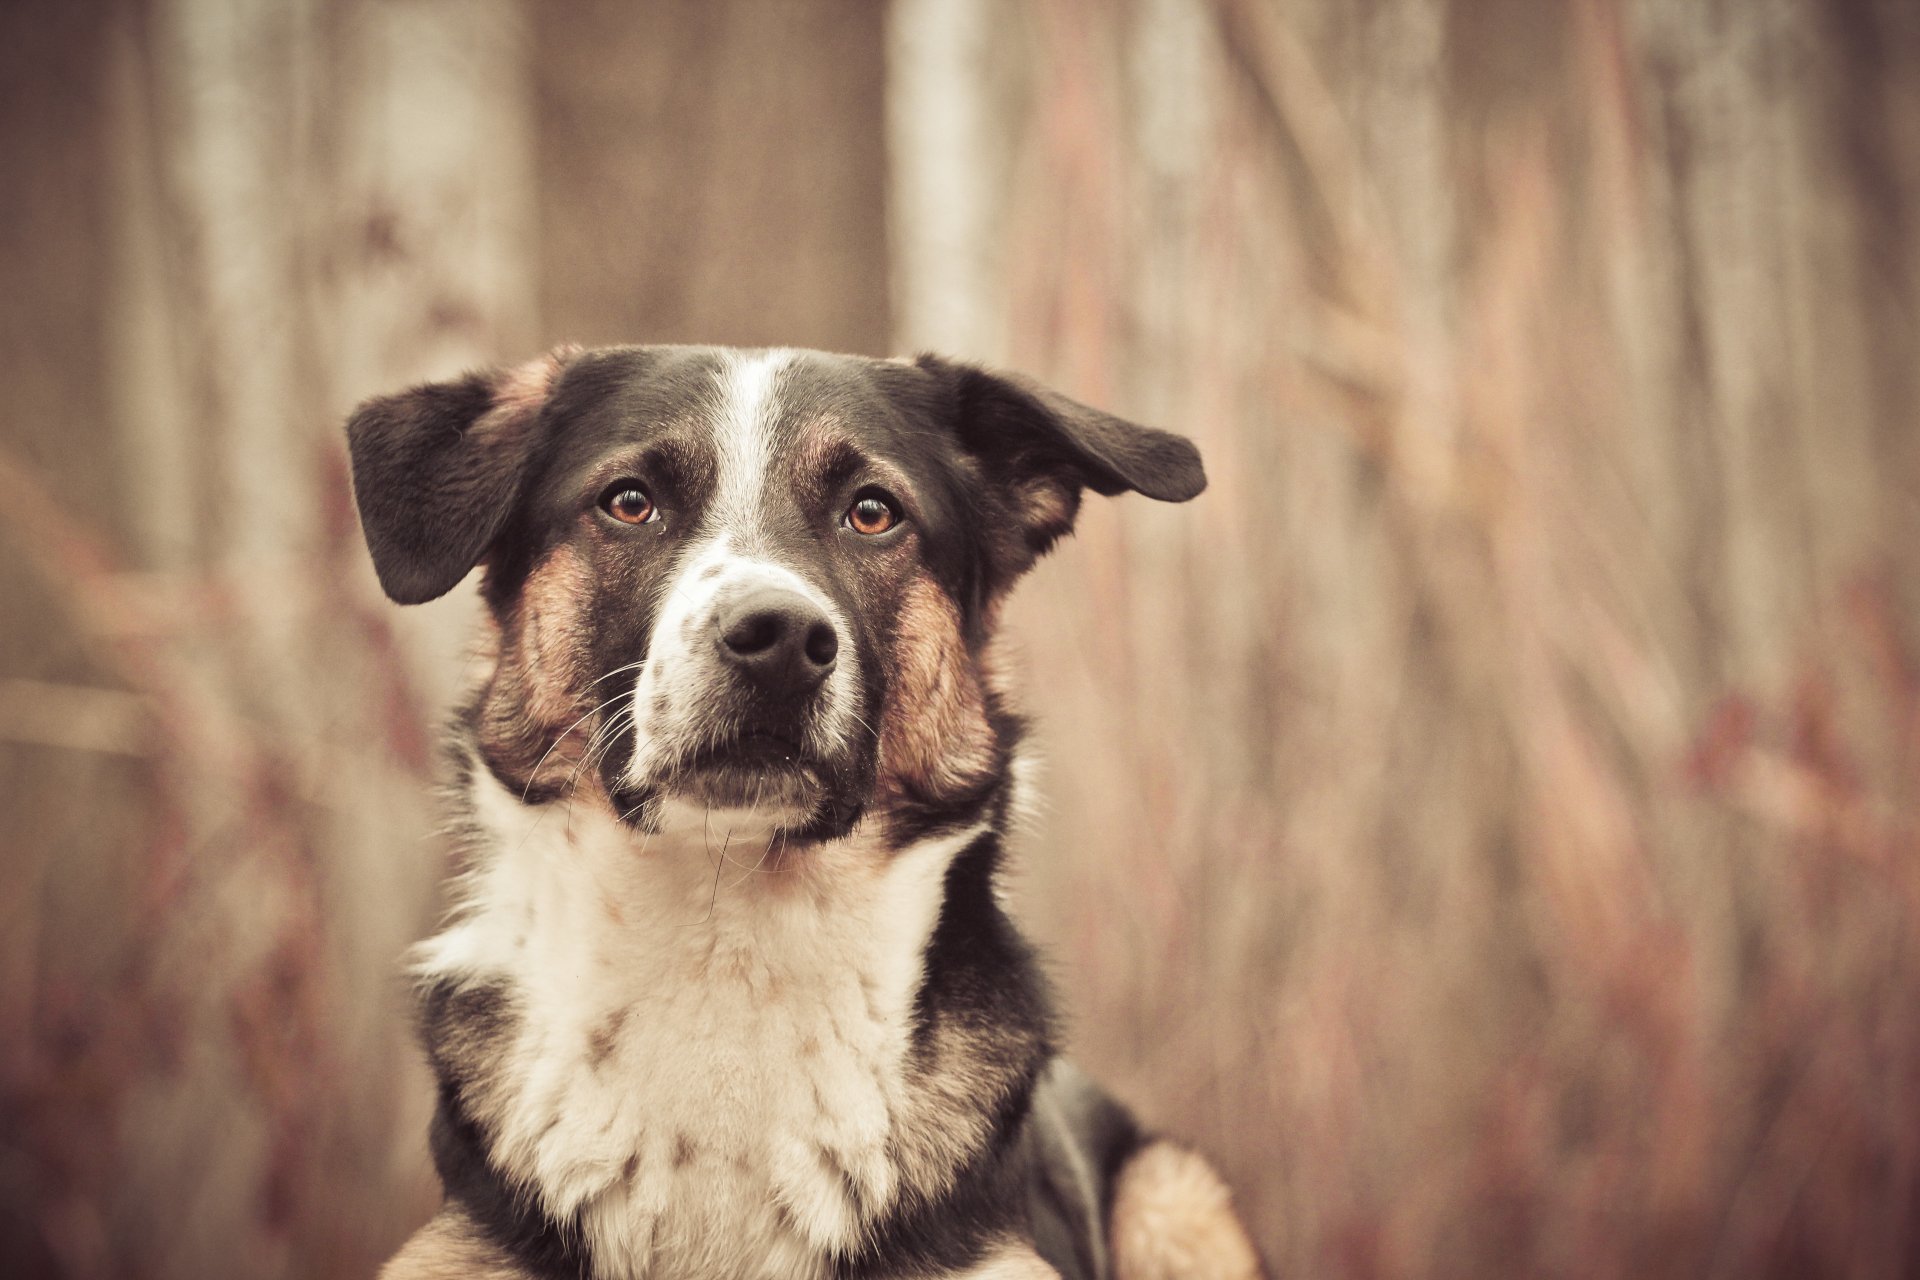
(728, 988)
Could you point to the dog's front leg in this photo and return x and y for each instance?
(1015, 1261)
(450, 1247)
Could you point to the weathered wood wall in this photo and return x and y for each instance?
(1486, 817)
(713, 173)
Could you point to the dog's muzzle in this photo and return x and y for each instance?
(747, 701)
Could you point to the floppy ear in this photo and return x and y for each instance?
(1045, 448)
(436, 470)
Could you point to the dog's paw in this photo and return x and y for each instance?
(1173, 1219)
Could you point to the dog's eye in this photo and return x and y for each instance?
(872, 512)
(627, 502)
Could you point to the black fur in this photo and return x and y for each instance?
(984, 985)
(432, 496)
(1076, 1128)
(1027, 427)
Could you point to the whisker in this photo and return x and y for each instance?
(564, 733)
(718, 863)
(598, 744)
(619, 670)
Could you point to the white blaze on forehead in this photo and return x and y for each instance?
(743, 435)
(673, 694)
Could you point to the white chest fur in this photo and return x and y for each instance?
(710, 1053)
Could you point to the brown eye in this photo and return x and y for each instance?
(627, 502)
(872, 513)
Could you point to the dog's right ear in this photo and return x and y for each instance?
(436, 470)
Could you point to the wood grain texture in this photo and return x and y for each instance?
(713, 173)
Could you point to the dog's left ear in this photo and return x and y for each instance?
(1044, 449)
(437, 469)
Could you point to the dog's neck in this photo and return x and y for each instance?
(712, 1054)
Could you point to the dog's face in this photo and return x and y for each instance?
(753, 582)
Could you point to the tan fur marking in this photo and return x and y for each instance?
(553, 637)
(818, 445)
(533, 692)
(521, 390)
(823, 444)
(536, 691)
(1011, 1262)
(603, 1038)
(450, 1248)
(1173, 1219)
(934, 740)
(1047, 507)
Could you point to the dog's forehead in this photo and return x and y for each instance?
(750, 410)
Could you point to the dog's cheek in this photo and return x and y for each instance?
(935, 739)
(554, 642)
(536, 693)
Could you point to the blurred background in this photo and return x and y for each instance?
(1488, 820)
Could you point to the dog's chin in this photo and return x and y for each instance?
(784, 793)
(756, 781)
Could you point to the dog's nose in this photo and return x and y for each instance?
(779, 639)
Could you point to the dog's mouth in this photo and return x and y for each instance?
(770, 769)
(757, 769)
(754, 748)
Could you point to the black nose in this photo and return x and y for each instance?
(779, 639)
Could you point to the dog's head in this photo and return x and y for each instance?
(744, 581)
